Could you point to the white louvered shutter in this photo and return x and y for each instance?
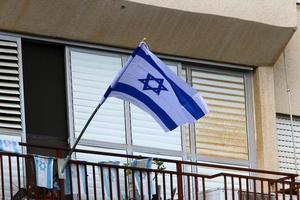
(286, 156)
(147, 132)
(10, 109)
(92, 73)
(221, 133)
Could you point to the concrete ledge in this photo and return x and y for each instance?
(124, 23)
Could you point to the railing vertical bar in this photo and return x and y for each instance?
(149, 185)
(141, 184)
(102, 183)
(133, 184)
(189, 186)
(179, 179)
(125, 183)
(10, 177)
(78, 181)
(196, 187)
(283, 191)
(171, 183)
(276, 191)
(225, 187)
(269, 190)
(44, 193)
(298, 192)
(203, 188)
(164, 185)
(254, 188)
(247, 189)
(19, 176)
(27, 163)
(86, 182)
(2, 177)
(110, 183)
(156, 186)
(71, 183)
(232, 187)
(34, 178)
(118, 183)
(262, 189)
(292, 187)
(94, 183)
(241, 189)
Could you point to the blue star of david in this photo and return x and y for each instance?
(42, 165)
(149, 80)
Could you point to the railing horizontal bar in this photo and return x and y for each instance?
(235, 168)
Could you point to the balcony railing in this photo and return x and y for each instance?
(167, 179)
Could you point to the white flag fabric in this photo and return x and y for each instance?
(110, 174)
(10, 146)
(149, 84)
(76, 179)
(143, 163)
(44, 171)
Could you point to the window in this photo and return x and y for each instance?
(286, 146)
(224, 133)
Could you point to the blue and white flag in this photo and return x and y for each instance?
(110, 174)
(10, 146)
(44, 171)
(143, 163)
(149, 84)
(76, 179)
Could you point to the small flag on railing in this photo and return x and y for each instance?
(143, 163)
(44, 171)
(10, 146)
(77, 180)
(110, 174)
(149, 84)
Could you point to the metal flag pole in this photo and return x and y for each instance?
(290, 111)
(64, 162)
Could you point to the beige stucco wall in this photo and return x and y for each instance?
(292, 53)
(276, 12)
(265, 119)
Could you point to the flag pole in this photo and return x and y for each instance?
(68, 157)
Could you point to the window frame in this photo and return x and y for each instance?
(245, 72)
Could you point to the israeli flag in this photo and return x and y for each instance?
(143, 163)
(10, 146)
(149, 84)
(44, 171)
(110, 174)
(77, 179)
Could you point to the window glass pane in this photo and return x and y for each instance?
(147, 132)
(91, 75)
(221, 133)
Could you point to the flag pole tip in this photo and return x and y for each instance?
(144, 39)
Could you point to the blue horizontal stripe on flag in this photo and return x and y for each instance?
(161, 114)
(185, 100)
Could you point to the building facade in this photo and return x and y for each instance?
(58, 57)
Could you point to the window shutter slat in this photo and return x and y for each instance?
(91, 75)
(222, 133)
(10, 109)
(286, 156)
